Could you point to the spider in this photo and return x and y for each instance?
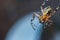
(47, 13)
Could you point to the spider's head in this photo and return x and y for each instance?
(47, 10)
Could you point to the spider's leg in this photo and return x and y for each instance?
(40, 21)
(42, 6)
(33, 17)
(57, 8)
(33, 25)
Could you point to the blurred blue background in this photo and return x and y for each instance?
(22, 29)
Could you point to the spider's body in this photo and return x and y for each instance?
(47, 13)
